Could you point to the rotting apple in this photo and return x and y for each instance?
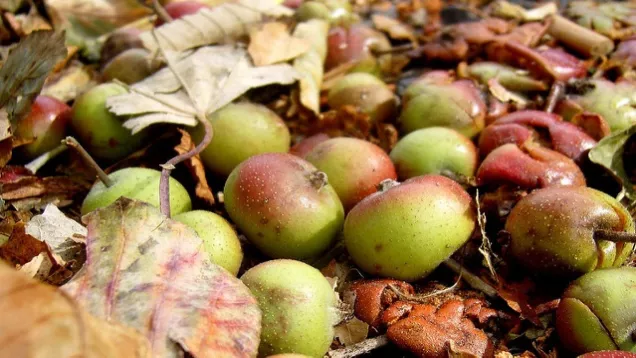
(521, 126)
(242, 130)
(598, 312)
(130, 66)
(101, 132)
(219, 238)
(407, 230)
(366, 92)
(354, 167)
(46, 124)
(179, 9)
(307, 144)
(529, 166)
(358, 44)
(434, 150)
(556, 232)
(458, 105)
(284, 205)
(298, 305)
(136, 183)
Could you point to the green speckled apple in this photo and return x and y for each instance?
(219, 238)
(598, 312)
(407, 230)
(284, 205)
(434, 150)
(99, 131)
(242, 130)
(552, 232)
(354, 167)
(298, 305)
(139, 184)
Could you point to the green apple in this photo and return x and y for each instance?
(136, 183)
(365, 92)
(242, 130)
(298, 305)
(219, 238)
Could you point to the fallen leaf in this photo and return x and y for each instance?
(197, 170)
(273, 44)
(351, 332)
(44, 322)
(310, 65)
(212, 26)
(396, 29)
(70, 82)
(31, 186)
(215, 76)
(609, 153)
(150, 273)
(25, 70)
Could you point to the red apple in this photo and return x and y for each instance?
(355, 43)
(45, 124)
(306, 145)
(182, 8)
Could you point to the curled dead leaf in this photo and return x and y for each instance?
(196, 168)
(373, 296)
(41, 321)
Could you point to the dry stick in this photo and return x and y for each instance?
(588, 42)
(556, 92)
(168, 167)
(361, 348)
(39, 162)
(614, 236)
(161, 12)
(470, 278)
(73, 143)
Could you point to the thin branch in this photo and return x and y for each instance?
(471, 279)
(361, 348)
(40, 161)
(73, 143)
(161, 12)
(556, 92)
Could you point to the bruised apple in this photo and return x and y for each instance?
(298, 305)
(407, 230)
(284, 205)
(354, 167)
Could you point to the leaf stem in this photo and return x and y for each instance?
(556, 92)
(40, 161)
(614, 236)
(161, 12)
(73, 143)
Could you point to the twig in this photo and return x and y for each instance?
(361, 348)
(556, 92)
(485, 249)
(470, 278)
(39, 162)
(579, 38)
(614, 236)
(161, 12)
(73, 143)
(168, 167)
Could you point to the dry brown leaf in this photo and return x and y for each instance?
(351, 332)
(197, 170)
(396, 29)
(41, 321)
(311, 64)
(70, 82)
(151, 273)
(272, 44)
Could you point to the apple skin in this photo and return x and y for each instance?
(298, 306)
(357, 43)
(219, 238)
(366, 92)
(136, 183)
(276, 200)
(180, 9)
(306, 145)
(101, 132)
(241, 131)
(46, 124)
(353, 166)
(598, 311)
(130, 66)
(119, 41)
(406, 231)
(434, 150)
(552, 232)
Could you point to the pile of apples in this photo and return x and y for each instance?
(294, 204)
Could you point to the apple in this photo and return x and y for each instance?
(130, 66)
(179, 9)
(219, 238)
(366, 92)
(45, 124)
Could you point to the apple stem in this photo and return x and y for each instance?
(161, 12)
(318, 179)
(73, 143)
(614, 236)
(37, 163)
(168, 167)
(556, 92)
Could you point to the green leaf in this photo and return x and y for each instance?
(150, 273)
(609, 153)
(27, 67)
